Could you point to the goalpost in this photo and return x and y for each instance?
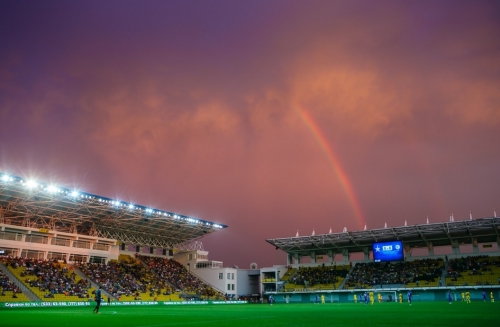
(385, 295)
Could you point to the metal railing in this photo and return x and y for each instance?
(37, 239)
(60, 242)
(81, 244)
(9, 236)
(100, 246)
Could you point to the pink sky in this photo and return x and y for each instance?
(267, 116)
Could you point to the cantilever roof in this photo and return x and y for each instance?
(29, 204)
(481, 230)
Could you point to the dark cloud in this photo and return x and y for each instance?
(198, 107)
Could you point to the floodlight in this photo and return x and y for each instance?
(5, 178)
(52, 189)
(131, 206)
(74, 194)
(31, 184)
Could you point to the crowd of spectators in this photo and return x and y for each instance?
(7, 285)
(385, 273)
(126, 279)
(472, 266)
(310, 276)
(177, 275)
(50, 277)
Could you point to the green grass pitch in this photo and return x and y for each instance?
(279, 315)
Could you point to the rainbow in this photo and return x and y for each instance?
(336, 165)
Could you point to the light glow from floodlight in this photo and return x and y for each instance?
(74, 194)
(52, 189)
(31, 184)
(6, 178)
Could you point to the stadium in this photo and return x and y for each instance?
(59, 246)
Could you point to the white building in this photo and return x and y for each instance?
(232, 281)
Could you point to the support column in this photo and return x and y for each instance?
(430, 249)
(331, 256)
(313, 257)
(475, 247)
(289, 259)
(407, 251)
(346, 255)
(297, 258)
(366, 252)
(455, 248)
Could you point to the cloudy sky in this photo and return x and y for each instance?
(267, 116)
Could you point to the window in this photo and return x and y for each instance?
(232, 287)
(232, 276)
(228, 275)
(221, 275)
(228, 287)
(95, 259)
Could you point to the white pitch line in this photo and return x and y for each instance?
(204, 321)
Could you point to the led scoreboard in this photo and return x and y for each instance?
(388, 251)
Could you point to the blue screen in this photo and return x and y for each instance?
(388, 251)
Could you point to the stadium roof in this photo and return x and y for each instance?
(481, 230)
(31, 204)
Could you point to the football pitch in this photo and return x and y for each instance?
(279, 315)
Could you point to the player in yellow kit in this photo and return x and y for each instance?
(467, 297)
(379, 298)
(463, 296)
(492, 297)
(400, 298)
(372, 298)
(355, 298)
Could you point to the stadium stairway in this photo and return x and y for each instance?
(151, 271)
(293, 273)
(174, 297)
(181, 294)
(442, 280)
(13, 278)
(93, 284)
(341, 286)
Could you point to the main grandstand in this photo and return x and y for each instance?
(61, 244)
